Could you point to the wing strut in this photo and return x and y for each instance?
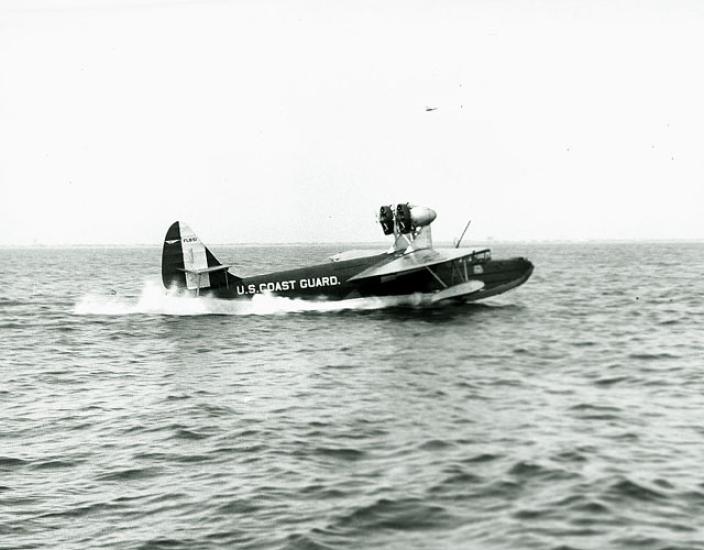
(436, 277)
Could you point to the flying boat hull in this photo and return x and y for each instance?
(440, 274)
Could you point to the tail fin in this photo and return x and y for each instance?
(187, 263)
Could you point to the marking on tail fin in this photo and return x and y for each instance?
(194, 259)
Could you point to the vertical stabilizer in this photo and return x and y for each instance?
(187, 263)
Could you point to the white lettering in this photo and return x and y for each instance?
(315, 282)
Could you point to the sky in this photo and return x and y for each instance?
(293, 121)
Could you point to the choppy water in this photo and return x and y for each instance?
(568, 413)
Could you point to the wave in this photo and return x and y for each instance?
(155, 300)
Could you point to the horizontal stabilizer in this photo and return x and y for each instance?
(200, 271)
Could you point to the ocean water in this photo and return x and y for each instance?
(568, 413)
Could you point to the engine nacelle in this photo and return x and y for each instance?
(421, 215)
(405, 218)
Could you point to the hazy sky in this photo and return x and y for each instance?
(293, 121)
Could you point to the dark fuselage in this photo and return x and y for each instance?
(442, 274)
(331, 280)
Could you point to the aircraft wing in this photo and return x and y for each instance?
(412, 261)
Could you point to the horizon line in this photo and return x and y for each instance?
(366, 243)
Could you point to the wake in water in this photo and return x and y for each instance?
(155, 300)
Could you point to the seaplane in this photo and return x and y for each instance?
(410, 267)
